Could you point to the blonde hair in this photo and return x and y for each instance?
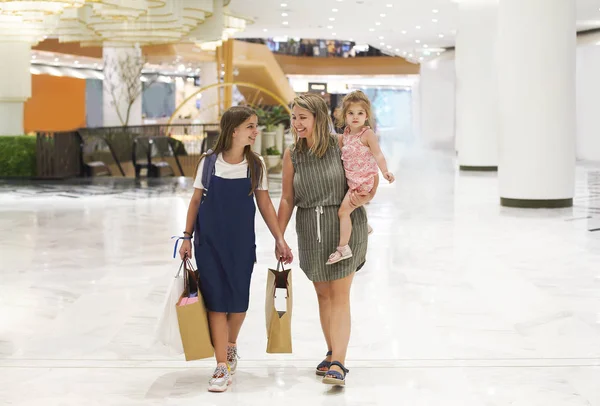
(231, 119)
(358, 97)
(322, 128)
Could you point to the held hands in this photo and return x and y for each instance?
(283, 252)
(389, 176)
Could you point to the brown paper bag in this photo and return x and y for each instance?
(279, 321)
(193, 321)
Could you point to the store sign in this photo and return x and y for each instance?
(317, 87)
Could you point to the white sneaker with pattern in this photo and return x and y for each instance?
(220, 380)
(232, 358)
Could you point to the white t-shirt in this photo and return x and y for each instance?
(231, 171)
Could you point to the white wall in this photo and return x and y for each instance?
(437, 95)
(588, 102)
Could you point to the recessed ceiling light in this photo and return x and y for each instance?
(329, 27)
(33, 57)
(284, 14)
(434, 20)
(350, 39)
(265, 30)
(403, 31)
(283, 5)
(380, 37)
(421, 58)
(334, 34)
(397, 50)
(389, 47)
(410, 55)
(435, 10)
(76, 62)
(441, 35)
(418, 41)
(418, 27)
(425, 46)
(382, 43)
(285, 23)
(371, 29)
(55, 59)
(377, 23)
(389, 5)
(335, 10)
(331, 18)
(382, 15)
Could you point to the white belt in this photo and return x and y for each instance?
(319, 211)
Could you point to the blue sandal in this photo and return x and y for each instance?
(324, 364)
(335, 377)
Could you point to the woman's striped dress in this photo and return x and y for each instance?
(319, 188)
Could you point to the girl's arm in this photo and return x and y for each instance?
(265, 206)
(192, 213)
(286, 206)
(373, 144)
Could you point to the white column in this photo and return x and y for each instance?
(536, 78)
(209, 103)
(15, 85)
(437, 102)
(476, 91)
(121, 83)
(588, 107)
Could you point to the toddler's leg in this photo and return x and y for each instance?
(345, 222)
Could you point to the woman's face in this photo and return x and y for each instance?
(245, 133)
(303, 122)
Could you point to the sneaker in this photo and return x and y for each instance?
(232, 358)
(340, 254)
(220, 379)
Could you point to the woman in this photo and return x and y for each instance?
(314, 181)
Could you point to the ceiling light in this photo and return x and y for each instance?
(403, 31)
(418, 27)
(335, 10)
(284, 14)
(265, 30)
(371, 29)
(421, 58)
(434, 20)
(285, 23)
(389, 47)
(334, 34)
(55, 59)
(382, 15)
(33, 57)
(350, 39)
(390, 5)
(425, 46)
(331, 18)
(76, 62)
(418, 41)
(377, 23)
(435, 10)
(410, 55)
(283, 5)
(329, 27)
(441, 35)
(380, 37)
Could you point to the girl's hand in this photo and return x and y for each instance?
(389, 176)
(283, 252)
(186, 249)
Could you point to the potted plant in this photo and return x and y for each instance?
(269, 119)
(273, 156)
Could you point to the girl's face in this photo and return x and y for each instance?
(303, 122)
(356, 115)
(246, 133)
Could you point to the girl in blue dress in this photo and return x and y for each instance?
(220, 219)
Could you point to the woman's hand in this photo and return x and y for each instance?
(186, 249)
(283, 252)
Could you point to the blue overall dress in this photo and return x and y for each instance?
(225, 244)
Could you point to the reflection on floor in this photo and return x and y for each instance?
(461, 302)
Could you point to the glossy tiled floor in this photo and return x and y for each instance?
(462, 302)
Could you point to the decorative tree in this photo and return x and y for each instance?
(123, 82)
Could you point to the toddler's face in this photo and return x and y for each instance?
(356, 116)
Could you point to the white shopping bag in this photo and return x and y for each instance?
(167, 329)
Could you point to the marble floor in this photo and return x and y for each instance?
(461, 302)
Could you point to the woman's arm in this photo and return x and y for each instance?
(286, 206)
(373, 144)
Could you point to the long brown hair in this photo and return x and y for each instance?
(323, 127)
(232, 119)
(358, 97)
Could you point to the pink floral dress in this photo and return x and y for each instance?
(359, 163)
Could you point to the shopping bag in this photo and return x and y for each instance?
(167, 328)
(278, 310)
(193, 318)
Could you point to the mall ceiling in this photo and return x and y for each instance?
(398, 27)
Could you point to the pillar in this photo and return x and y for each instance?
(122, 86)
(536, 81)
(209, 101)
(15, 85)
(476, 95)
(588, 110)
